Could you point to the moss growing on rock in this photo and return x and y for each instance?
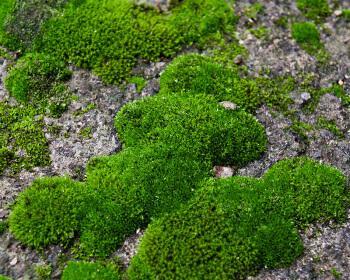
(236, 226)
(316, 10)
(48, 212)
(37, 79)
(196, 125)
(89, 271)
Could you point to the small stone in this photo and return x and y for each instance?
(305, 96)
(340, 82)
(14, 261)
(3, 213)
(238, 60)
(223, 171)
(228, 105)
(337, 13)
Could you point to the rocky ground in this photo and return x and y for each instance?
(87, 130)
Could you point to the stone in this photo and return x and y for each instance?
(14, 261)
(160, 5)
(238, 60)
(228, 105)
(223, 171)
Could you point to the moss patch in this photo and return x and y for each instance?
(236, 226)
(89, 271)
(316, 10)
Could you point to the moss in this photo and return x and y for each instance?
(260, 32)
(3, 226)
(89, 271)
(234, 227)
(139, 82)
(22, 141)
(2, 277)
(308, 191)
(316, 10)
(331, 126)
(336, 274)
(43, 272)
(196, 74)
(308, 37)
(132, 187)
(301, 129)
(346, 14)
(86, 132)
(48, 212)
(37, 79)
(109, 37)
(196, 125)
(5, 9)
(282, 22)
(252, 11)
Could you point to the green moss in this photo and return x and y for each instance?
(308, 191)
(307, 36)
(43, 272)
(140, 83)
(301, 129)
(5, 9)
(195, 74)
(316, 10)
(89, 271)
(196, 125)
(346, 14)
(282, 22)
(2, 277)
(37, 79)
(110, 36)
(254, 10)
(331, 126)
(234, 227)
(48, 212)
(3, 226)
(260, 32)
(22, 141)
(132, 187)
(86, 132)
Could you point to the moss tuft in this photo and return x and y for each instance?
(316, 10)
(89, 271)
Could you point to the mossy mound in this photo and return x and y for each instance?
(48, 212)
(308, 191)
(133, 187)
(89, 271)
(196, 74)
(38, 79)
(108, 37)
(234, 227)
(316, 10)
(22, 141)
(307, 35)
(196, 125)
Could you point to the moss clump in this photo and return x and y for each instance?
(43, 272)
(330, 126)
(195, 74)
(346, 14)
(316, 10)
(89, 271)
(37, 79)
(308, 37)
(236, 226)
(3, 226)
(196, 125)
(22, 141)
(132, 187)
(308, 191)
(2, 277)
(48, 212)
(108, 37)
(5, 9)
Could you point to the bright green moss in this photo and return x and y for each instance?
(43, 272)
(196, 125)
(254, 10)
(89, 271)
(316, 10)
(234, 227)
(195, 74)
(2, 277)
(346, 14)
(308, 191)
(132, 187)
(22, 141)
(38, 79)
(221, 233)
(109, 36)
(307, 36)
(139, 82)
(5, 9)
(48, 212)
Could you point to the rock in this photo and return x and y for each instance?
(238, 60)
(300, 98)
(14, 261)
(305, 96)
(160, 5)
(337, 13)
(3, 213)
(223, 171)
(228, 105)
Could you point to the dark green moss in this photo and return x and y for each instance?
(194, 124)
(236, 226)
(37, 79)
(110, 37)
(22, 141)
(89, 271)
(331, 126)
(195, 74)
(316, 10)
(48, 212)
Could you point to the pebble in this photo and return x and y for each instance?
(228, 105)
(14, 261)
